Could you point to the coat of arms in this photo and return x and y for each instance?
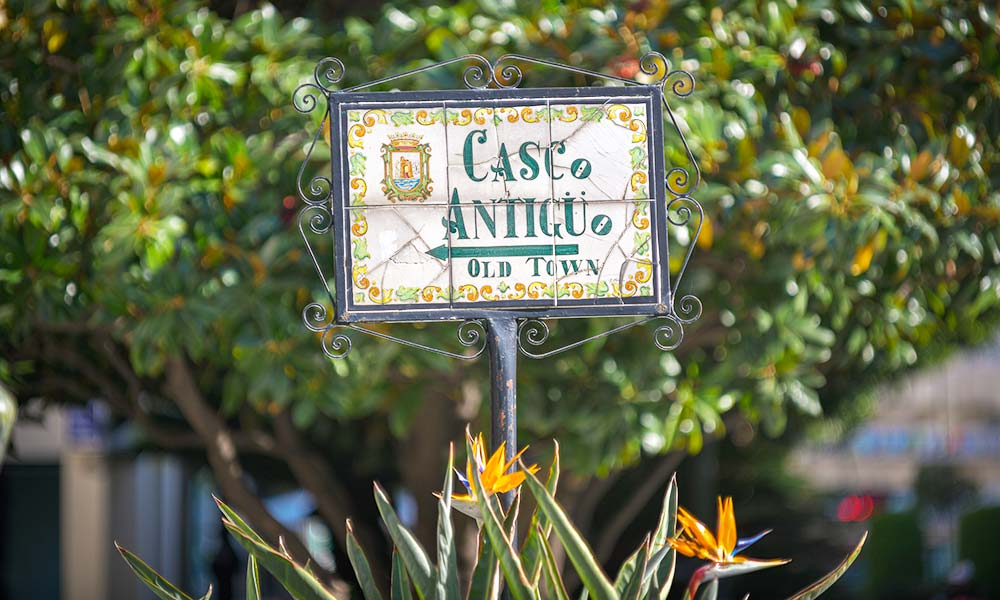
(407, 175)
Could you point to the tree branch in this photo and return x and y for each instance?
(332, 501)
(622, 517)
(182, 388)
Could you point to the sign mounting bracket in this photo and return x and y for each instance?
(438, 243)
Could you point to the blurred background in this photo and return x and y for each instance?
(845, 374)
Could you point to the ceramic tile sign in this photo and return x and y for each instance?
(542, 202)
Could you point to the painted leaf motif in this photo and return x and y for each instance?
(407, 294)
(358, 164)
(361, 249)
(592, 113)
(638, 154)
(641, 242)
(402, 117)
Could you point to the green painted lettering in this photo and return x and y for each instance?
(467, 153)
(530, 169)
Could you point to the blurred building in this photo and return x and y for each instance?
(948, 414)
(66, 496)
(932, 446)
(74, 484)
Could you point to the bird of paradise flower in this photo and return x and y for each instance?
(721, 549)
(494, 473)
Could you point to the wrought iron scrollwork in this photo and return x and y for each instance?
(337, 344)
(533, 333)
(670, 334)
(316, 218)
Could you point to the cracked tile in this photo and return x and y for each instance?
(498, 150)
(617, 257)
(504, 251)
(601, 151)
(398, 255)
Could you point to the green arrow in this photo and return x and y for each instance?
(441, 252)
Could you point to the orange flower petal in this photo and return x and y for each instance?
(506, 483)
(494, 467)
(695, 529)
(726, 528)
(690, 548)
(511, 462)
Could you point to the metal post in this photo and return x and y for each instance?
(502, 346)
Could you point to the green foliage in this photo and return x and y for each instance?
(641, 576)
(977, 543)
(848, 181)
(848, 158)
(895, 559)
(153, 580)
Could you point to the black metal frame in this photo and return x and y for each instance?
(349, 312)
(496, 83)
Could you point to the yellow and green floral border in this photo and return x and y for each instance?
(361, 122)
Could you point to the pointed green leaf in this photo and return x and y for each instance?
(634, 585)
(401, 588)
(484, 573)
(418, 564)
(153, 580)
(627, 569)
(531, 550)
(253, 579)
(556, 586)
(663, 566)
(297, 580)
(362, 570)
(576, 547)
(824, 584)
(510, 564)
(237, 521)
(447, 567)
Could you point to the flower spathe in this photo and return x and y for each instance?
(495, 474)
(696, 540)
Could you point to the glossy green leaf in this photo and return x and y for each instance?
(447, 567)
(576, 547)
(401, 587)
(634, 582)
(153, 580)
(664, 557)
(298, 580)
(817, 588)
(553, 578)
(531, 550)
(418, 564)
(362, 570)
(484, 574)
(510, 564)
(253, 579)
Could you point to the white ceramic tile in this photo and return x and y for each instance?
(397, 156)
(600, 150)
(503, 251)
(498, 152)
(616, 258)
(396, 255)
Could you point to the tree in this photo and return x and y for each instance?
(149, 253)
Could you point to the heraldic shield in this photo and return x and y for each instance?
(407, 173)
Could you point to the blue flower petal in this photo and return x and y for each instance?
(744, 543)
(464, 481)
